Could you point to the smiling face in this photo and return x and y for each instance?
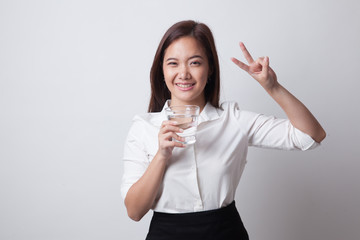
(186, 70)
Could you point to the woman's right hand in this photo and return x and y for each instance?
(166, 135)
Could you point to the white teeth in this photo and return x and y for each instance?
(184, 85)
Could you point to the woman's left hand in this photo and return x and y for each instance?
(258, 69)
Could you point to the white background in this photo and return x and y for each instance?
(74, 73)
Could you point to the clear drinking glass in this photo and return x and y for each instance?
(187, 118)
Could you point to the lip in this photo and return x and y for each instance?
(187, 88)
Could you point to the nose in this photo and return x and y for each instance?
(184, 73)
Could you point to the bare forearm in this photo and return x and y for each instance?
(142, 194)
(298, 114)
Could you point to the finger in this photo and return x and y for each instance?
(178, 138)
(170, 136)
(171, 128)
(246, 53)
(165, 123)
(168, 141)
(173, 144)
(179, 144)
(242, 65)
(263, 64)
(266, 64)
(256, 66)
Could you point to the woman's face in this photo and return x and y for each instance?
(186, 70)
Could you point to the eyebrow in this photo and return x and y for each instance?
(195, 56)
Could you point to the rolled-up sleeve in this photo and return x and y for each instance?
(135, 161)
(271, 132)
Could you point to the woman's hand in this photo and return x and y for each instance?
(259, 69)
(166, 135)
(299, 116)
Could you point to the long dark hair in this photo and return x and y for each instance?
(202, 33)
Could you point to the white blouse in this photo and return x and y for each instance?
(205, 175)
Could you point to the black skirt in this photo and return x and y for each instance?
(223, 223)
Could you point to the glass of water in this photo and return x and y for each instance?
(187, 118)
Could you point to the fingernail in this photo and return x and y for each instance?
(181, 130)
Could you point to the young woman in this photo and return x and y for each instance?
(192, 188)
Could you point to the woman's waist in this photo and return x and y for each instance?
(219, 214)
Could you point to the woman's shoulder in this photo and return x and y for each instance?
(144, 124)
(153, 118)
